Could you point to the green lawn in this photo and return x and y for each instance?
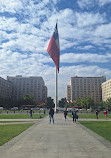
(103, 128)
(7, 132)
(10, 121)
(92, 116)
(21, 116)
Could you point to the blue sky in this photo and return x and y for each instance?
(84, 27)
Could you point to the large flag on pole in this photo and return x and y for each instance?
(54, 48)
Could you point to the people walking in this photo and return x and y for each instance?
(30, 113)
(97, 114)
(65, 113)
(105, 112)
(51, 116)
(74, 116)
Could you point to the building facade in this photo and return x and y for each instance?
(106, 90)
(5, 88)
(33, 86)
(80, 87)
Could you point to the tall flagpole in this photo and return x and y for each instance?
(56, 91)
(56, 86)
(54, 52)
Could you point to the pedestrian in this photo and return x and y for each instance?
(97, 114)
(105, 112)
(30, 113)
(74, 116)
(65, 113)
(51, 115)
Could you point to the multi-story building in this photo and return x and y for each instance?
(5, 88)
(33, 86)
(106, 90)
(80, 87)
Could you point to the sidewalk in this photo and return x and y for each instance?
(64, 139)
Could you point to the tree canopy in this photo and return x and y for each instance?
(50, 103)
(28, 100)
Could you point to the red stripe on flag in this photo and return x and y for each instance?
(54, 52)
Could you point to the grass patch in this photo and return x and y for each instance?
(10, 121)
(21, 116)
(91, 116)
(7, 132)
(102, 128)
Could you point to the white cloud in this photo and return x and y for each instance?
(84, 57)
(87, 47)
(26, 42)
(8, 24)
(74, 28)
(103, 31)
(82, 71)
(86, 3)
(86, 19)
(12, 6)
(92, 3)
(103, 2)
(14, 63)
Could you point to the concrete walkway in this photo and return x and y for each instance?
(64, 139)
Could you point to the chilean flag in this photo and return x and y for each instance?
(54, 48)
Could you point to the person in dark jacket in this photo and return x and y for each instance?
(30, 113)
(51, 115)
(97, 114)
(65, 113)
(74, 115)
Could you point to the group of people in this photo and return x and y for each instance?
(51, 115)
(74, 115)
(105, 113)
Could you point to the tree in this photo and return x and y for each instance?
(108, 104)
(6, 102)
(62, 102)
(85, 102)
(50, 102)
(88, 102)
(28, 100)
(100, 105)
(80, 102)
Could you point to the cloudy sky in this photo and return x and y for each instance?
(84, 27)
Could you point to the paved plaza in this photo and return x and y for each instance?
(64, 139)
